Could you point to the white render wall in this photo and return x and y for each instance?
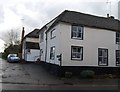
(34, 53)
(93, 39)
(23, 49)
(50, 43)
(54, 42)
(43, 47)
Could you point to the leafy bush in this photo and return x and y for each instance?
(87, 74)
(4, 56)
(68, 74)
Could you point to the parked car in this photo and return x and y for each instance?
(13, 58)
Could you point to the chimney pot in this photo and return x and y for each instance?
(107, 15)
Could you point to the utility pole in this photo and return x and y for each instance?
(21, 45)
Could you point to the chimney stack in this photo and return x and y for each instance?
(108, 16)
(111, 17)
(23, 31)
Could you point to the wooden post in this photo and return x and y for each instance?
(21, 45)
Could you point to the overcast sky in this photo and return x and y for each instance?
(35, 13)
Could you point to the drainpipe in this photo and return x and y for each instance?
(46, 47)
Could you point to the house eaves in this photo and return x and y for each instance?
(77, 18)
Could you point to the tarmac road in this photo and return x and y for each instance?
(31, 76)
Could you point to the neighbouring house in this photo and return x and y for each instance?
(30, 50)
(75, 40)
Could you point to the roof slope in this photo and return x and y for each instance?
(33, 34)
(78, 18)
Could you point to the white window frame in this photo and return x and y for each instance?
(117, 57)
(103, 56)
(52, 53)
(77, 32)
(117, 37)
(52, 34)
(77, 54)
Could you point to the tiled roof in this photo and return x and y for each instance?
(33, 34)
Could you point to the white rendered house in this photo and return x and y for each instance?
(30, 51)
(74, 39)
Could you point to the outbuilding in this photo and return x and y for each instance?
(30, 51)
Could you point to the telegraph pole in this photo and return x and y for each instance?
(21, 45)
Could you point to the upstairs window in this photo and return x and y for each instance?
(52, 34)
(77, 32)
(77, 53)
(52, 53)
(102, 57)
(118, 37)
(117, 57)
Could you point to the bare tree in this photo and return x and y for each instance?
(12, 38)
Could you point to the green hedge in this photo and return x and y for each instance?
(87, 74)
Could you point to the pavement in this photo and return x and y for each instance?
(31, 76)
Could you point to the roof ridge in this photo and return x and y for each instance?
(103, 17)
(75, 17)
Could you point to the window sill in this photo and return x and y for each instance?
(52, 59)
(102, 65)
(52, 37)
(77, 59)
(118, 65)
(76, 38)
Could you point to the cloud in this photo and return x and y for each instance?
(1, 14)
(2, 45)
(37, 13)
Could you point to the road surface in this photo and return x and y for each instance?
(31, 76)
